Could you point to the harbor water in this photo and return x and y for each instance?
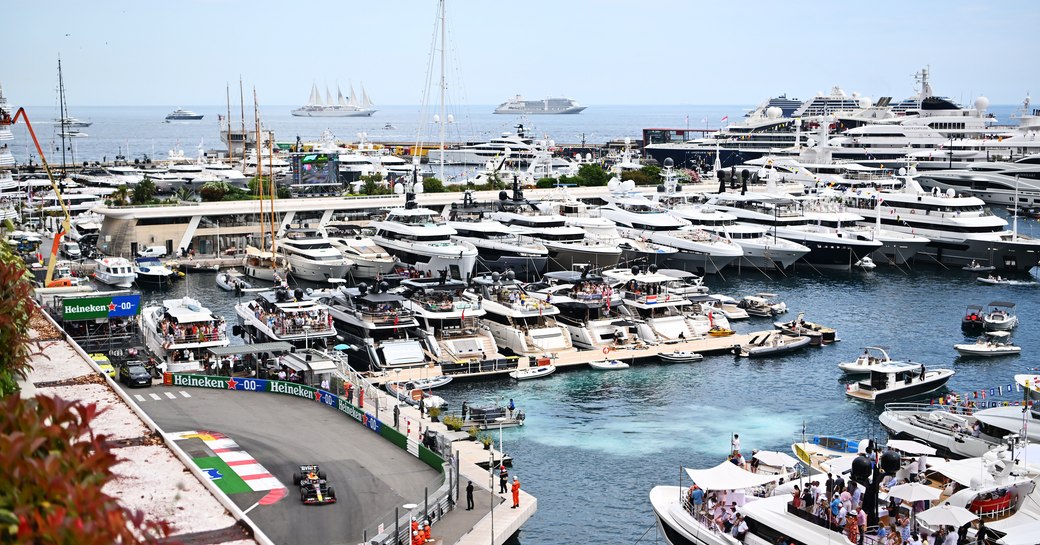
(596, 442)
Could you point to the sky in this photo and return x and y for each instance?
(653, 52)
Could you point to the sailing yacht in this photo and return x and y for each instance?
(341, 107)
(500, 247)
(312, 257)
(419, 237)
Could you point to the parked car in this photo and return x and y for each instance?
(105, 364)
(134, 373)
(152, 251)
(71, 249)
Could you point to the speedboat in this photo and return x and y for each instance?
(608, 365)
(151, 272)
(993, 280)
(1000, 316)
(898, 380)
(431, 382)
(115, 271)
(973, 317)
(232, 280)
(680, 356)
(763, 304)
(987, 347)
(536, 371)
(719, 331)
(817, 333)
(871, 357)
(771, 344)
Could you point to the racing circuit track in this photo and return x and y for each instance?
(371, 476)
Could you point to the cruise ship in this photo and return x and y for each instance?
(517, 105)
(341, 107)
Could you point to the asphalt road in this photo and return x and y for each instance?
(370, 475)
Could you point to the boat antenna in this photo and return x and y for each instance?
(242, 103)
(227, 90)
(444, 119)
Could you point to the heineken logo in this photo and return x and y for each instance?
(289, 388)
(199, 381)
(80, 309)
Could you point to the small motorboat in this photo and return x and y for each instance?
(866, 264)
(680, 356)
(720, 331)
(898, 380)
(973, 317)
(1000, 316)
(407, 392)
(389, 126)
(771, 345)
(431, 382)
(871, 357)
(975, 266)
(537, 371)
(818, 334)
(993, 280)
(997, 343)
(493, 417)
(608, 365)
(763, 304)
(231, 280)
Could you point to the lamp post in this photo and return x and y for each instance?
(306, 337)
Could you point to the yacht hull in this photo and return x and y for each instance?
(566, 257)
(526, 268)
(699, 263)
(316, 272)
(1007, 255)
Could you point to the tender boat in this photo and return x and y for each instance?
(975, 266)
(537, 371)
(680, 356)
(608, 365)
(431, 382)
(772, 344)
(763, 304)
(898, 380)
(1000, 316)
(871, 357)
(973, 317)
(408, 392)
(115, 271)
(865, 263)
(150, 271)
(987, 347)
(993, 280)
(232, 280)
(818, 334)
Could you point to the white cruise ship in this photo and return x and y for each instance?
(341, 107)
(518, 106)
(312, 257)
(520, 323)
(420, 238)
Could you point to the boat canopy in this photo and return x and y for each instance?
(1023, 534)
(256, 348)
(1002, 304)
(910, 447)
(971, 472)
(727, 476)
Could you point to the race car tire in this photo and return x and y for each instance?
(321, 475)
(296, 478)
(332, 493)
(303, 495)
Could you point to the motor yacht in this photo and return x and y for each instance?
(150, 271)
(784, 218)
(421, 238)
(520, 323)
(897, 248)
(659, 314)
(1000, 316)
(370, 260)
(180, 114)
(313, 257)
(500, 248)
(115, 271)
(284, 315)
(518, 147)
(960, 228)
(378, 322)
(590, 309)
(988, 346)
(179, 331)
(959, 431)
(449, 323)
(568, 246)
(871, 357)
(898, 380)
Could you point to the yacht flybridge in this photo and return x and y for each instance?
(378, 322)
(419, 237)
(499, 246)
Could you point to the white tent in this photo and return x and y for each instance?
(727, 476)
(946, 515)
(912, 492)
(910, 447)
(775, 458)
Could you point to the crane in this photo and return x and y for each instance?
(6, 120)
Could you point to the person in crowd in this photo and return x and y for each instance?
(469, 496)
(516, 492)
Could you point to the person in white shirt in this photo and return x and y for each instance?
(734, 444)
(740, 528)
(325, 384)
(951, 537)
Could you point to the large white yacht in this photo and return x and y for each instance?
(517, 147)
(312, 257)
(449, 323)
(499, 246)
(378, 322)
(589, 308)
(370, 260)
(284, 315)
(568, 246)
(952, 428)
(1003, 183)
(961, 229)
(784, 218)
(520, 323)
(896, 247)
(115, 271)
(421, 238)
(661, 315)
(180, 330)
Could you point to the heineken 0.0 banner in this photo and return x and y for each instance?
(90, 308)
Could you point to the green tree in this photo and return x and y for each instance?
(144, 192)
(433, 185)
(185, 193)
(121, 196)
(592, 175)
(214, 191)
(373, 185)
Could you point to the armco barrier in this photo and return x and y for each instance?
(441, 499)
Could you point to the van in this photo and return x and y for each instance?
(153, 251)
(71, 249)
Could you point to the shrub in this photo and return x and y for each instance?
(16, 308)
(54, 469)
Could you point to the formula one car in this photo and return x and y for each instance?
(313, 486)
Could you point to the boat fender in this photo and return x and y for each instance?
(606, 349)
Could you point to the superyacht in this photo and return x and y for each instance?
(419, 237)
(378, 323)
(520, 323)
(312, 257)
(499, 247)
(448, 322)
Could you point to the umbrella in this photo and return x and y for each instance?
(910, 447)
(948, 515)
(775, 458)
(912, 492)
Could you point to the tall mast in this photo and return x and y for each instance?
(444, 119)
(242, 102)
(230, 156)
(271, 195)
(259, 172)
(63, 117)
